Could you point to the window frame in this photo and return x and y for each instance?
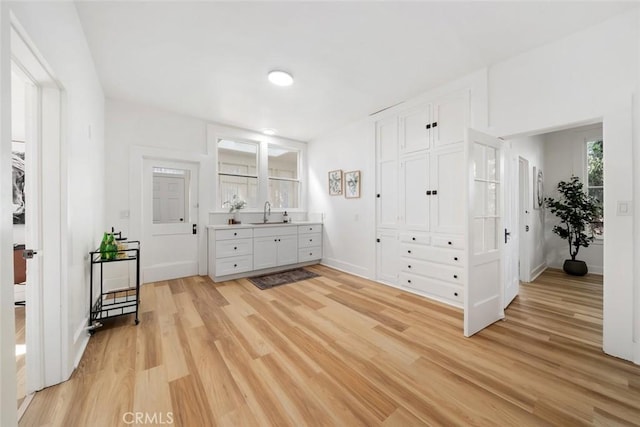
(298, 153)
(588, 140)
(218, 174)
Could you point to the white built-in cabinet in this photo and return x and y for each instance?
(238, 251)
(420, 197)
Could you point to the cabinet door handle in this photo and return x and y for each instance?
(428, 192)
(235, 265)
(408, 252)
(235, 248)
(434, 192)
(428, 126)
(455, 276)
(413, 238)
(455, 258)
(449, 243)
(409, 266)
(434, 124)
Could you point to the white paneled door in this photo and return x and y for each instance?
(511, 228)
(483, 289)
(170, 219)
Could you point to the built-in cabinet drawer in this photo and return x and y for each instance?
(309, 240)
(313, 228)
(436, 271)
(226, 248)
(432, 254)
(442, 290)
(237, 233)
(415, 237)
(451, 242)
(309, 254)
(234, 265)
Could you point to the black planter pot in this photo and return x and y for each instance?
(575, 268)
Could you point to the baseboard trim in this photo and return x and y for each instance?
(537, 271)
(169, 271)
(83, 336)
(636, 353)
(346, 267)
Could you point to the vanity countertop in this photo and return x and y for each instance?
(261, 225)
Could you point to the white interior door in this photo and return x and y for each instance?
(524, 199)
(511, 228)
(170, 219)
(484, 288)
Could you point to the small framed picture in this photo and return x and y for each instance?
(352, 184)
(335, 182)
(538, 188)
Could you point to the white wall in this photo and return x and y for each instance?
(55, 30)
(349, 232)
(565, 156)
(532, 149)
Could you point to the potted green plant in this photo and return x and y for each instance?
(576, 211)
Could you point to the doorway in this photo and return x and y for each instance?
(170, 219)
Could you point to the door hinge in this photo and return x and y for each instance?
(377, 240)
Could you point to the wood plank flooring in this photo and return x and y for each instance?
(20, 355)
(344, 351)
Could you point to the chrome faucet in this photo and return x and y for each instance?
(265, 211)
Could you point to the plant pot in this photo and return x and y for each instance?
(575, 268)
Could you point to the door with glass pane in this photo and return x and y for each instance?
(483, 290)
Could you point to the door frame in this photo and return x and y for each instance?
(137, 156)
(524, 198)
(46, 326)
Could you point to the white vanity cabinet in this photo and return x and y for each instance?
(246, 250)
(275, 246)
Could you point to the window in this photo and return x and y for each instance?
(284, 183)
(238, 172)
(595, 181)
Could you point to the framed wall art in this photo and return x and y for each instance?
(335, 182)
(538, 188)
(352, 184)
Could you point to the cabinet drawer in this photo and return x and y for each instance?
(309, 240)
(233, 265)
(431, 254)
(437, 288)
(309, 254)
(451, 242)
(435, 271)
(415, 237)
(238, 233)
(312, 228)
(264, 231)
(226, 248)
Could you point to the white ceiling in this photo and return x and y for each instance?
(349, 59)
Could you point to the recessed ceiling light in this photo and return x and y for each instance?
(269, 131)
(280, 78)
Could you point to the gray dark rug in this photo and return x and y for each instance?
(282, 278)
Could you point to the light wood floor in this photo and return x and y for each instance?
(20, 356)
(344, 351)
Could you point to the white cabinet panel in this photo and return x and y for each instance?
(447, 178)
(287, 250)
(433, 254)
(313, 228)
(309, 240)
(450, 114)
(449, 292)
(387, 200)
(449, 242)
(413, 132)
(415, 237)
(265, 253)
(387, 139)
(309, 254)
(415, 183)
(436, 271)
(387, 266)
(237, 233)
(225, 248)
(233, 265)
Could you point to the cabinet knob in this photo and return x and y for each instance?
(455, 258)
(310, 253)
(413, 238)
(449, 243)
(235, 234)
(455, 294)
(235, 265)
(235, 248)
(434, 192)
(455, 276)
(311, 240)
(409, 266)
(409, 281)
(409, 252)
